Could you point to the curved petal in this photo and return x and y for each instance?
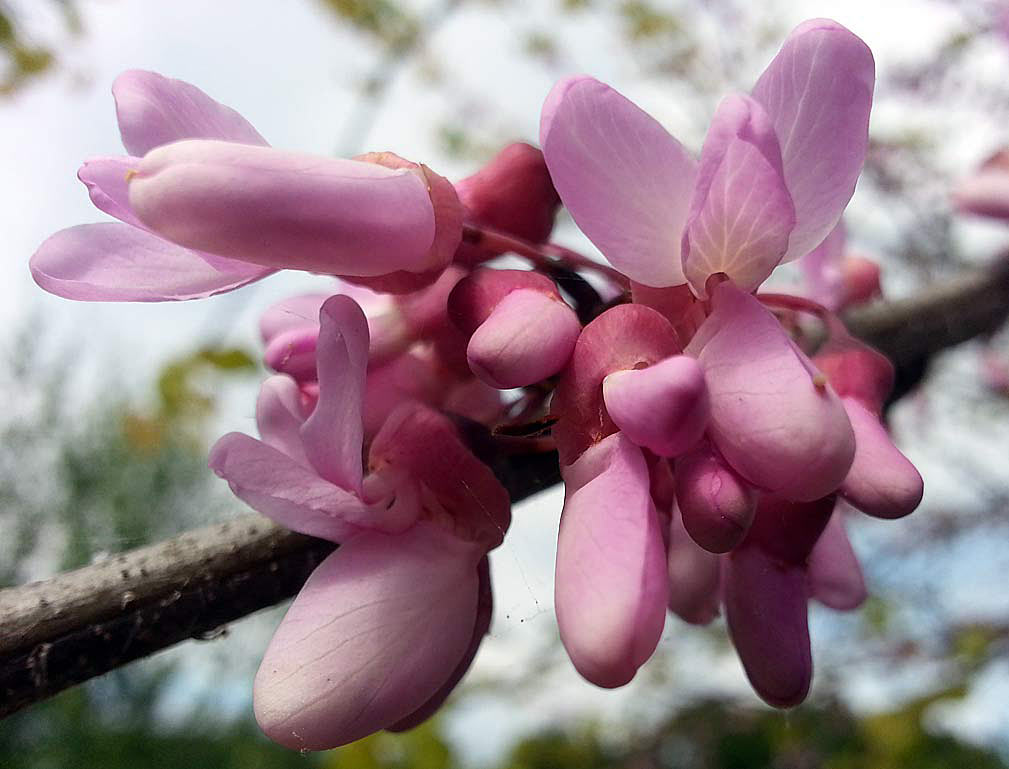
(280, 415)
(293, 353)
(774, 418)
(818, 92)
(822, 270)
(663, 407)
(882, 482)
(624, 179)
(741, 213)
(274, 484)
(484, 612)
(294, 312)
(153, 110)
(833, 573)
(106, 180)
(611, 585)
(378, 628)
(287, 210)
(333, 435)
(694, 576)
(765, 607)
(113, 262)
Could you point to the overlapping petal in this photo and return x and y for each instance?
(818, 93)
(833, 573)
(376, 631)
(623, 178)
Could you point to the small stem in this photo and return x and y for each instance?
(835, 326)
(544, 255)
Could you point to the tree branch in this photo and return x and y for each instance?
(81, 624)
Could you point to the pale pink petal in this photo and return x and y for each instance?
(113, 262)
(528, 337)
(611, 583)
(741, 213)
(694, 576)
(823, 270)
(623, 178)
(663, 407)
(153, 110)
(286, 210)
(376, 631)
(333, 435)
(294, 312)
(484, 612)
(818, 92)
(774, 418)
(717, 506)
(765, 606)
(280, 415)
(882, 482)
(290, 493)
(833, 574)
(293, 352)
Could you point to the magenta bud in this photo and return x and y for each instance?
(716, 503)
(292, 352)
(882, 482)
(765, 606)
(861, 281)
(857, 371)
(663, 407)
(512, 193)
(521, 330)
(289, 210)
(527, 338)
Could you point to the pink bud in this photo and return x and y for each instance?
(522, 331)
(986, 191)
(663, 407)
(717, 505)
(292, 352)
(512, 193)
(857, 371)
(833, 574)
(881, 482)
(861, 280)
(289, 210)
(694, 576)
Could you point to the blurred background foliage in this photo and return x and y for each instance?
(81, 480)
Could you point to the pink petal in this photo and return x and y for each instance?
(717, 506)
(290, 493)
(741, 213)
(286, 210)
(833, 574)
(694, 576)
(788, 531)
(293, 353)
(280, 415)
(773, 416)
(765, 606)
(376, 631)
(986, 191)
(153, 110)
(528, 337)
(818, 92)
(294, 312)
(484, 612)
(623, 178)
(624, 337)
(113, 262)
(822, 270)
(333, 435)
(611, 584)
(881, 482)
(663, 407)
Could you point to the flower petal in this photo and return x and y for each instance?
(741, 213)
(823, 270)
(765, 606)
(290, 493)
(333, 435)
(833, 573)
(113, 262)
(280, 415)
(818, 92)
(286, 210)
(623, 178)
(376, 631)
(153, 110)
(611, 584)
(694, 576)
(773, 416)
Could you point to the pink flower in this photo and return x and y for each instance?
(986, 191)
(387, 624)
(205, 206)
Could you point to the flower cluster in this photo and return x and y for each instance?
(707, 454)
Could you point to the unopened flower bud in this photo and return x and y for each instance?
(716, 504)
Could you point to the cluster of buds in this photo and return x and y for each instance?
(705, 455)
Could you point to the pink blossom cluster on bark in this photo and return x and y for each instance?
(707, 457)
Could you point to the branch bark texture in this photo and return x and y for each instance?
(65, 630)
